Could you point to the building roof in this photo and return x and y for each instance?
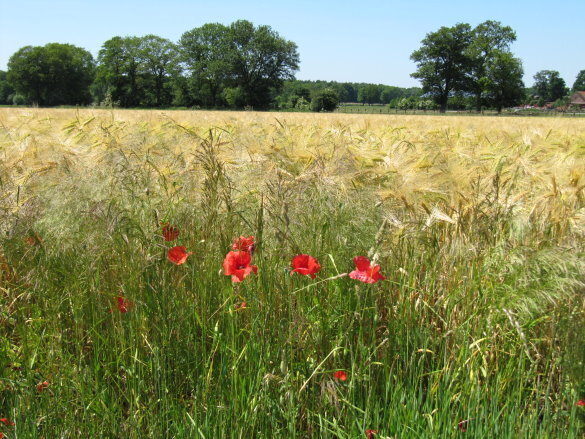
(578, 97)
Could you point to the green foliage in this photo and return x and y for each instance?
(503, 84)
(6, 90)
(159, 64)
(347, 92)
(55, 74)
(117, 71)
(137, 71)
(18, 99)
(549, 85)
(442, 63)
(490, 40)
(253, 60)
(458, 61)
(205, 52)
(325, 100)
(579, 84)
(234, 97)
(369, 94)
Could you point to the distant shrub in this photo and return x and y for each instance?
(325, 100)
(235, 97)
(18, 99)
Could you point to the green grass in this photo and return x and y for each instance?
(479, 321)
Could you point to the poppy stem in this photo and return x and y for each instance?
(319, 282)
(317, 368)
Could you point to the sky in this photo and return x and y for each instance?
(340, 40)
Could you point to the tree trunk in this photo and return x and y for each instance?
(478, 102)
(443, 98)
(443, 105)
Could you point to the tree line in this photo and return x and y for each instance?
(461, 63)
(214, 65)
(245, 66)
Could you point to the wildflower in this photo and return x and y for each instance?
(33, 240)
(42, 386)
(580, 403)
(371, 433)
(169, 232)
(6, 421)
(365, 272)
(245, 244)
(305, 265)
(123, 304)
(2, 436)
(462, 425)
(237, 265)
(340, 375)
(240, 306)
(178, 255)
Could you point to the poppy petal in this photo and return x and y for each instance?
(178, 255)
(361, 263)
(237, 265)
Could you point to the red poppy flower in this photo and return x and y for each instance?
(2, 436)
(42, 386)
(242, 305)
(33, 240)
(7, 422)
(169, 233)
(178, 255)
(237, 265)
(580, 403)
(305, 265)
(245, 244)
(365, 272)
(340, 375)
(123, 304)
(462, 425)
(371, 433)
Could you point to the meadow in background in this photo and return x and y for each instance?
(477, 224)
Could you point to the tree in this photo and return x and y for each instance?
(158, 63)
(119, 68)
(262, 61)
(549, 85)
(325, 100)
(205, 52)
(389, 93)
(503, 84)
(368, 94)
(54, 74)
(6, 90)
(255, 60)
(442, 62)
(579, 84)
(489, 40)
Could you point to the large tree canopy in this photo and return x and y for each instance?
(469, 62)
(239, 63)
(54, 74)
(503, 83)
(442, 63)
(549, 85)
(137, 71)
(158, 64)
(490, 40)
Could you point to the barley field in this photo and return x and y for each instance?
(120, 317)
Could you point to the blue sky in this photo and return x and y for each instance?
(358, 41)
